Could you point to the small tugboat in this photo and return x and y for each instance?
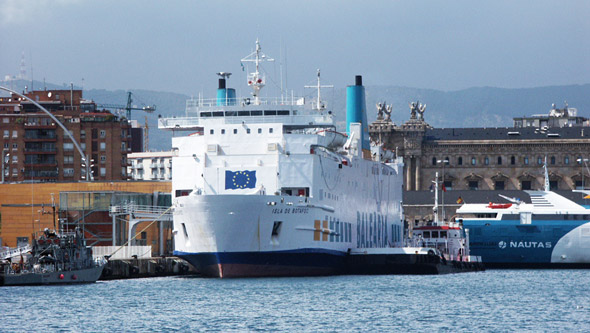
(54, 258)
(447, 240)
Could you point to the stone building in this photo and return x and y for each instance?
(35, 148)
(509, 158)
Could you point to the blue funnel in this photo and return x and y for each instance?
(356, 111)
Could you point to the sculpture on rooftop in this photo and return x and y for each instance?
(383, 108)
(416, 107)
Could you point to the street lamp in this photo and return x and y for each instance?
(5, 156)
(443, 162)
(582, 162)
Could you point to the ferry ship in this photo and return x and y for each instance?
(268, 187)
(551, 231)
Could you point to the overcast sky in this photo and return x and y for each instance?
(178, 46)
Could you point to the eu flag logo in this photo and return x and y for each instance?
(240, 179)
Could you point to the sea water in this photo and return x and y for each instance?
(495, 300)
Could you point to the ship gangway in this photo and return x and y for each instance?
(142, 213)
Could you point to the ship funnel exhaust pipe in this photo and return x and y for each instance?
(221, 84)
(356, 113)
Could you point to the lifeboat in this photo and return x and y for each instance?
(499, 205)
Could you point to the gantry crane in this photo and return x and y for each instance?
(129, 106)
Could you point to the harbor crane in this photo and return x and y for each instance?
(129, 106)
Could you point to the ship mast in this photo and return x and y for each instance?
(255, 80)
(319, 105)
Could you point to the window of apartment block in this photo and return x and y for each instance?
(82, 134)
(499, 185)
(83, 146)
(6, 133)
(486, 161)
(5, 120)
(103, 172)
(103, 133)
(473, 161)
(473, 184)
(539, 160)
(499, 160)
(552, 160)
(526, 160)
(566, 160)
(123, 171)
(14, 172)
(460, 161)
(68, 159)
(123, 146)
(68, 172)
(103, 159)
(14, 146)
(95, 133)
(512, 160)
(68, 146)
(14, 158)
(15, 134)
(103, 146)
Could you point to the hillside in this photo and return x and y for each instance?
(473, 107)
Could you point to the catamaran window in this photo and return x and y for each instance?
(247, 130)
(223, 131)
(270, 112)
(218, 114)
(205, 114)
(183, 193)
(243, 113)
(235, 131)
(270, 130)
(211, 131)
(283, 112)
(443, 234)
(231, 113)
(435, 234)
(260, 131)
(256, 113)
(426, 234)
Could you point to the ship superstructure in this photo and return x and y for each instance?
(268, 187)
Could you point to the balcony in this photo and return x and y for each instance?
(34, 150)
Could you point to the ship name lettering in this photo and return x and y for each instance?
(528, 245)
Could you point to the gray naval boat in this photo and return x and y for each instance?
(54, 258)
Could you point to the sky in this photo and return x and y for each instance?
(178, 46)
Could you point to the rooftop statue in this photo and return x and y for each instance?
(416, 107)
(383, 108)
